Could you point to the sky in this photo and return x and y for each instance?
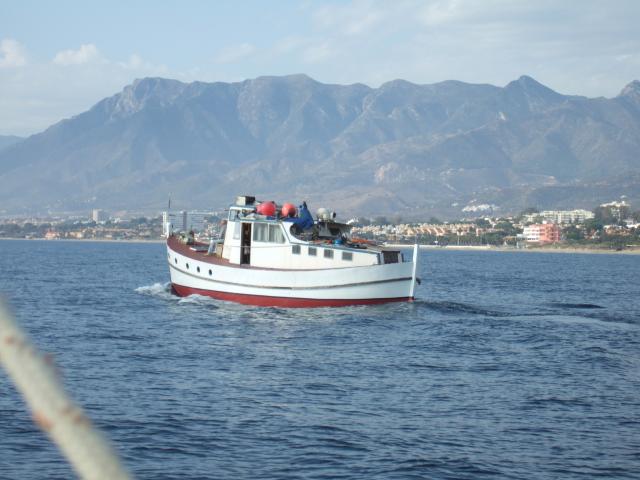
(57, 59)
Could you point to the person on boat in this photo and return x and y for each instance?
(304, 221)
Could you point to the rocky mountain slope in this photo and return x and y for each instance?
(400, 148)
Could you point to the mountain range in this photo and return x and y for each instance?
(448, 149)
(8, 140)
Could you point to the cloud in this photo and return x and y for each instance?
(441, 12)
(40, 94)
(233, 53)
(136, 62)
(12, 54)
(357, 18)
(319, 53)
(85, 54)
(289, 44)
(482, 41)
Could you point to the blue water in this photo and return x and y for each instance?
(510, 365)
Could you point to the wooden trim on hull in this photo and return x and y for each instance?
(268, 301)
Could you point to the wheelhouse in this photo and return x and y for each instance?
(273, 241)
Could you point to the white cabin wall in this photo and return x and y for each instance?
(270, 255)
(280, 255)
(232, 239)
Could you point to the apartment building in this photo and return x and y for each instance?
(542, 233)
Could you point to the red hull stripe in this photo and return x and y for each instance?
(266, 301)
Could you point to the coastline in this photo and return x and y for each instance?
(488, 248)
(473, 248)
(95, 240)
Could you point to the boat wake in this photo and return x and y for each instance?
(196, 299)
(457, 308)
(582, 306)
(162, 290)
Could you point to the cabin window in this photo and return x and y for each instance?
(312, 251)
(348, 256)
(210, 273)
(176, 260)
(187, 266)
(295, 249)
(260, 232)
(275, 234)
(328, 253)
(236, 230)
(390, 256)
(268, 233)
(198, 269)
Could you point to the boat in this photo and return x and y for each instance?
(283, 257)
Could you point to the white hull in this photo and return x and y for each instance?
(318, 287)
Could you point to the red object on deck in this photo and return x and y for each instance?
(267, 208)
(266, 301)
(289, 210)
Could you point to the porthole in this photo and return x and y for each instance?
(210, 273)
(198, 269)
(187, 266)
(176, 260)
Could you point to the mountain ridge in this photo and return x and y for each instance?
(401, 147)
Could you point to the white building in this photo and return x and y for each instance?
(168, 223)
(195, 220)
(617, 209)
(99, 216)
(183, 221)
(560, 217)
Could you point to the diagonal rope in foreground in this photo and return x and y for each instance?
(53, 410)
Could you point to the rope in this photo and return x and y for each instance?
(53, 410)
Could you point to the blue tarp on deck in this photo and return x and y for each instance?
(304, 221)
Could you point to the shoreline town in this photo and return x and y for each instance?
(610, 227)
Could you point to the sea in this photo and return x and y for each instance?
(508, 365)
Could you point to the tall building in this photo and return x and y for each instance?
(99, 216)
(618, 209)
(542, 233)
(168, 220)
(183, 221)
(195, 220)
